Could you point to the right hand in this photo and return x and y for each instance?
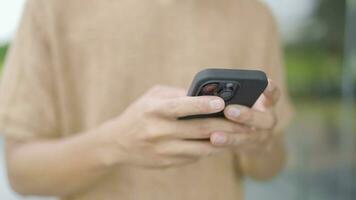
(148, 133)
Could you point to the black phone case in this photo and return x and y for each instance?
(252, 83)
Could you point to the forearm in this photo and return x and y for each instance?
(265, 163)
(59, 167)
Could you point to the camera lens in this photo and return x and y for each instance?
(226, 95)
(210, 89)
(229, 86)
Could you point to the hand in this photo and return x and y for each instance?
(260, 121)
(148, 133)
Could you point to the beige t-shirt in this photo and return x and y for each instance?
(77, 63)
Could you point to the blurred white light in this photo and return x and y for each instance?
(10, 14)
(291, 15)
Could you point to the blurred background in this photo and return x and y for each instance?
(319, 38)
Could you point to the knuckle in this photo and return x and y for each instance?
(165, 163)
(277, 94)
(246, 116)
(208, 152)
(205, 129)
(252, 130)
(235, 128)
(234, 141)
(153, 133)
(273, 121)
(172, 104)
(161, 150)
(200, 151)
(205, 152)
(185, 161)
(151, 107)
(237, 140)
(190, 160)
(147, 137)
(169, 162)
(229, 141)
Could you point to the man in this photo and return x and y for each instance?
(83, 118)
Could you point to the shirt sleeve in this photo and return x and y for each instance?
(27, 103)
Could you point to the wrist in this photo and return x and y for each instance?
(106, 147)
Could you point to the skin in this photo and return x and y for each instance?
(148, 134)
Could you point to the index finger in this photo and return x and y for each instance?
(187, 106)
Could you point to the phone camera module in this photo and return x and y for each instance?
(225, 90)
(210, 89)
(226, 95)
(229, 86)
(228, 91)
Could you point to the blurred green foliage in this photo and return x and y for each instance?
(326, 26)
(314, 62)
(313, 72)
(331, 15)
(3, 50)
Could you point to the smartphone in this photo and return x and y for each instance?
(241, 87)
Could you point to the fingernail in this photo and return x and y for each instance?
(233, 112)
(218, 139)
(217, 104)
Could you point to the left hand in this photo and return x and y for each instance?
(260, 121)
